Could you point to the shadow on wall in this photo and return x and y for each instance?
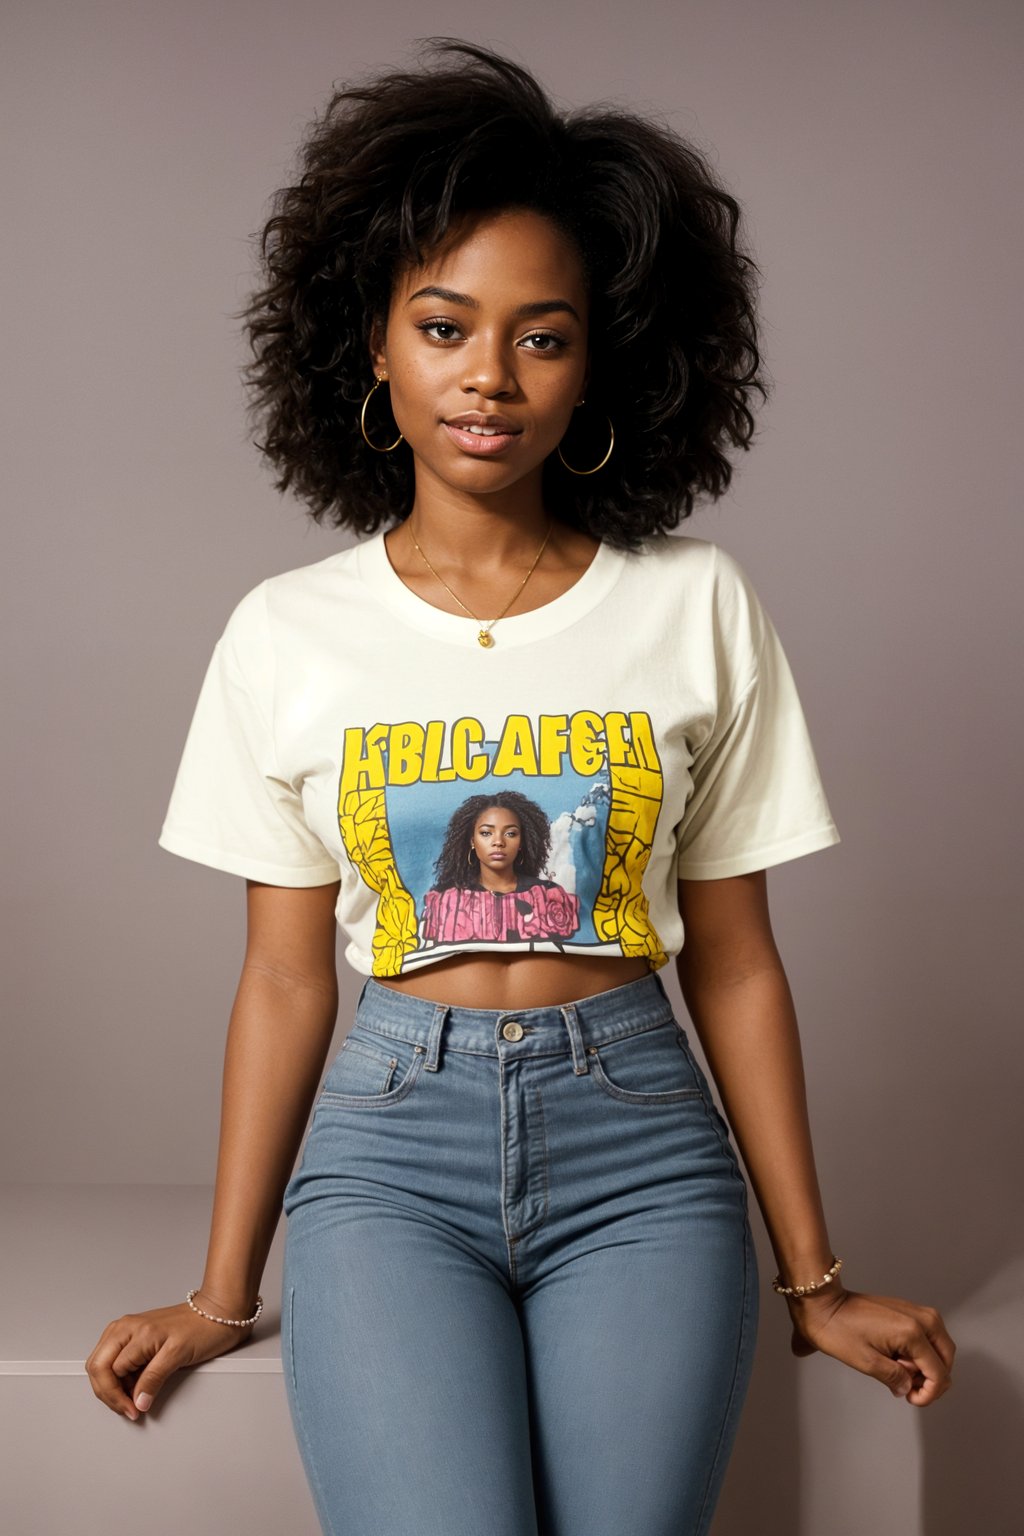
(973, 1468)
(973, 1474)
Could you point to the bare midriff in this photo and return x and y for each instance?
(518, 981)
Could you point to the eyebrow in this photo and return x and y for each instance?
(521, 312)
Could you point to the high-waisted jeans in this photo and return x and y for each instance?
(520, 1291)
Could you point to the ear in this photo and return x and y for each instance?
(378, 357)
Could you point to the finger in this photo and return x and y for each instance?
(936, 1330)
(99, 1367)
(937, 1344)
(941, 1351)
(163, 1365)
(136, 1356)
(930, 1320)
(881, 1360)
(917, 1379)
(894, 1364)
(928, 1373)
(896, 1370)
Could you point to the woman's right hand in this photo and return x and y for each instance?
(155, 1344)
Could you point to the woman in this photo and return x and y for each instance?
(509, 348)
(487, 880)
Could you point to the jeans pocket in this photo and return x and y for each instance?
(371, 1071)
(653, 1066)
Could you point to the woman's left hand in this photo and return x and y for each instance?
(901, 1344)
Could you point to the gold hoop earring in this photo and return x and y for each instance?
(362, 419)
(604, 461)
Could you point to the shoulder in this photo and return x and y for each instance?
(700, 572)
(707, 594)
(674, 557)
(288, 600)
(693, 569)
(685, 557)
(289, 591)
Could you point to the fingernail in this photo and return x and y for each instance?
(143, 1401)
(130, 1413)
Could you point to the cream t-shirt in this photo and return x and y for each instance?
(641, 729)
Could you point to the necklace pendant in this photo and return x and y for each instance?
(485, 638)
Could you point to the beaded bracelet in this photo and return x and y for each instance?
(231, 1321)
(805, 1290)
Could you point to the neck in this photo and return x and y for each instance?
(478, 533)
(504, 883)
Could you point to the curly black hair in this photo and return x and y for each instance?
(387, 169)
(453, 868)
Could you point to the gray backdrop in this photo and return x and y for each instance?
(873, 147)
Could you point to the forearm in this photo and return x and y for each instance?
(747, 1027)
(278, 1037)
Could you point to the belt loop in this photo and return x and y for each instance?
(434, 1038)
(572, 1024)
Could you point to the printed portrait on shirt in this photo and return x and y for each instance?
(535, 837)
(489, 880)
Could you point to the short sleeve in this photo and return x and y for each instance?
(230, 807)
(757, 797)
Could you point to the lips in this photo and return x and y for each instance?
(478, 422)
(483, 436)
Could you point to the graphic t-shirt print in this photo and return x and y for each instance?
(539, 838)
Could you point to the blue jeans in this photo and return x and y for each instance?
(520, 1291)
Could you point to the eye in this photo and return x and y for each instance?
(437, 325)
(553, 343)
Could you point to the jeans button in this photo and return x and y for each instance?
(513, 1030)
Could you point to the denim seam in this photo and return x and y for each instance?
(456, 1050)
(643, 1028)
(510, 1242)
(637, 1096)
(653, 1096)
(320, 1497)
(379, 1100)
(386, 1064)
(723, 1141)
(363, 1048)
(532, 1054)
(544, 1163)
(291, 1334)
(705, 1513)
(545, 1187)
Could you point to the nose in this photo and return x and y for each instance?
(488, 370)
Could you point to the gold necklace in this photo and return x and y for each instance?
(485, 637)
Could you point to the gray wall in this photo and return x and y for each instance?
(873, 146)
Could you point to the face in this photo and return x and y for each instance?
(490, 333)
(497, 838)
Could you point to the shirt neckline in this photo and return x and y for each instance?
(378, 574)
